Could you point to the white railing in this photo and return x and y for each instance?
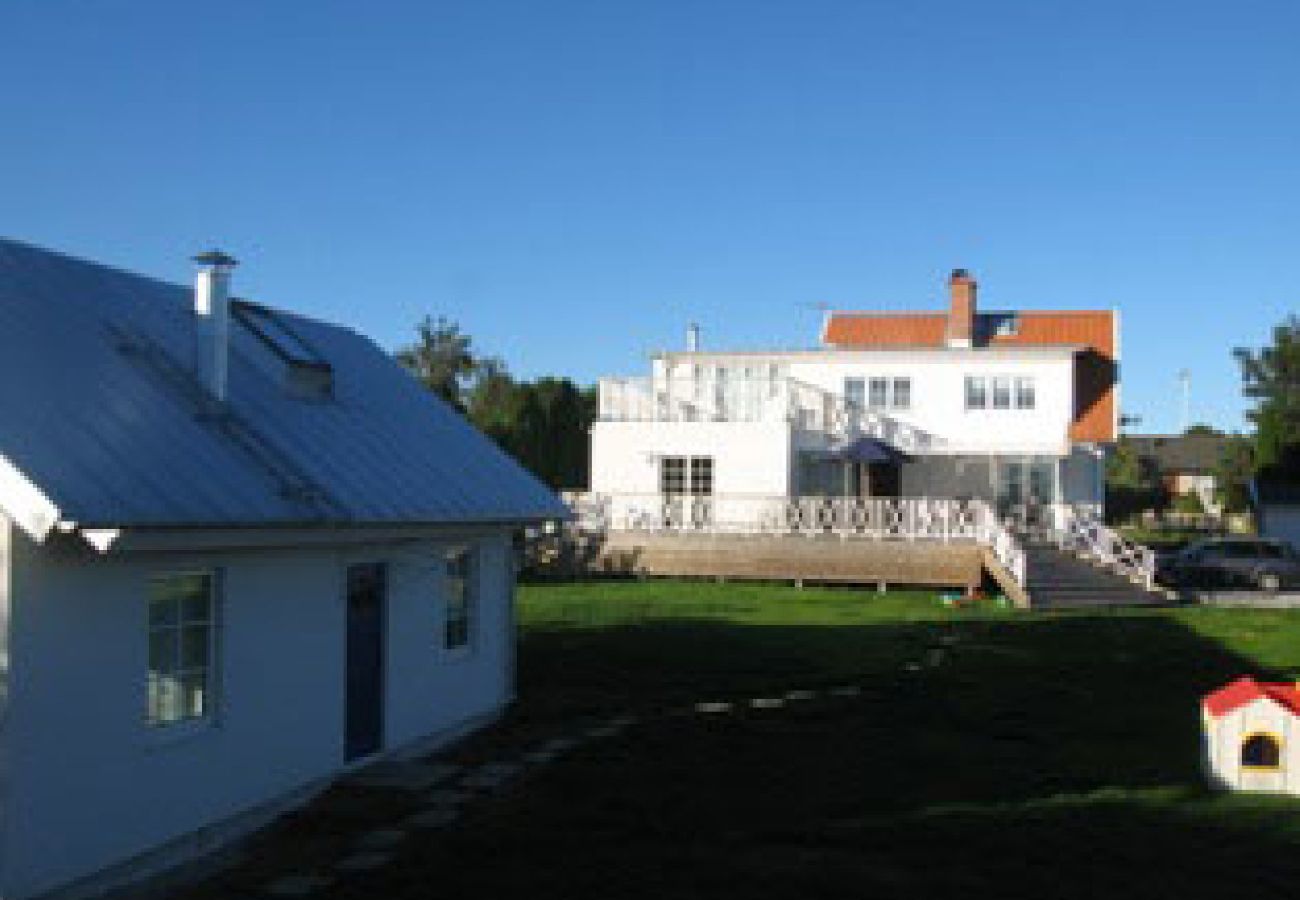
(754, 399)
(872, 518)
(1084, 532)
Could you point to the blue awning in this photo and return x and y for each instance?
(867, 450)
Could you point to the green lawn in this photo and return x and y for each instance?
(1028, 756)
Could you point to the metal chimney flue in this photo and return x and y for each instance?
(692, 338)
(212, 321)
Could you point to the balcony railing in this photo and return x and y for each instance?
(901, 519)
(779, 399)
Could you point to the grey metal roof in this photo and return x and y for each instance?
(1194, 452)
(100, 412)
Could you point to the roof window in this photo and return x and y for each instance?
(307, 374)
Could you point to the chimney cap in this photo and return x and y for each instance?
(959, 274)
(215, 257)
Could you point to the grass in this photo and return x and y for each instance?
(1045, 755)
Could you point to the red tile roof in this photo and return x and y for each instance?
(1246, 689)
(853, 330)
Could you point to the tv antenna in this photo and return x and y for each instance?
(1185, 385)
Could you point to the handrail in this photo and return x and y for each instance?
(878, 518)
(1085, 532)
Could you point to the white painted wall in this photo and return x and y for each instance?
(88, 784)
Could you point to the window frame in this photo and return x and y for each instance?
(977, 387)
(877, 392)
(680, 477)
(895, 382)
(185, 723)
(470, 600)
(1024, 392)
(855, 392)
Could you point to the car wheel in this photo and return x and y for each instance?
(1269, 582)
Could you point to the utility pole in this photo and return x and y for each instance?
(1185, 382)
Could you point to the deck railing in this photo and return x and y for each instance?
(755, 399)
(1082, 530)
(871, 518)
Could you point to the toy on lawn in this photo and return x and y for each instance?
(1252, 736)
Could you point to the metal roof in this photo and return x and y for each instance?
(103, 424)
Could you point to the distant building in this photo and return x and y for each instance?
(1184, 463)
(240, 552)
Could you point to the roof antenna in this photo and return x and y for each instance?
(1185, 383)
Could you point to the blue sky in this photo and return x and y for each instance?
(575, 181)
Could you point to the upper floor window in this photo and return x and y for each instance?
(181, 647)
(902, 393)
(686, 474)
(1024, 393)
(878, 393)
(1000, 392)
(855, 392)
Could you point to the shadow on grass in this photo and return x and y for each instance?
(1044, 756)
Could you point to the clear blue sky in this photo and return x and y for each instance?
(574, 181)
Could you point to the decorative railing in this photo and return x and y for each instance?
(753, 399)
(1081, 529)
(906, 519)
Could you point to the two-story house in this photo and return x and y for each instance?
(1011, 408)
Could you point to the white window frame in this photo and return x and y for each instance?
(977, 386)
(470, 584)
(877, 392)
(1026, 393)
(184, 724)
(894, 392)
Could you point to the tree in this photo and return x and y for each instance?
(1271, 378)
(441, 359)
(1233, 472)
(1201, 428)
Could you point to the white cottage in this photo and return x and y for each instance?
(240, 552)
(1252, 736)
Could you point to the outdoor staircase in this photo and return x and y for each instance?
(1060, 580)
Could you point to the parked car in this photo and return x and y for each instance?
(1252, 563)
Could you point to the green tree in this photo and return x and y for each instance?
(441, 359)
(1233, 472)
(1271, 379)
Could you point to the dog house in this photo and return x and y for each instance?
(1252, 736)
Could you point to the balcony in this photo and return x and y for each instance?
(776, 399)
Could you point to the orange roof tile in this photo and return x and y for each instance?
(853, 330)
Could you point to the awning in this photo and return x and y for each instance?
(867, 450)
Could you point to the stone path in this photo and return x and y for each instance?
(445, 791)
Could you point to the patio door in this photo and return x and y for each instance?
(364, 664)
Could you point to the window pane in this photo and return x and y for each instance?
(976, 396)
(1001, 393)
(672, 475)
(702, 475)
(194, 647)
(194, 694)
(855, 392)
(1024, 393)
(902, 393)
(878, 393)
(163, 613)
(459, 598)
(165, 698)
(163, 657)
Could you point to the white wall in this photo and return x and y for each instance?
(90, 784)
(938, 402)
(748, 457)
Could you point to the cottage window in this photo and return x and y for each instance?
(902, 393)
(701, 475)
(878, 393)
(181, 644)
(976, 392)
(460, 597)
(1261, 751)
(1024, 393)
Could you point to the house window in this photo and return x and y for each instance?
(1261, 751)
(702, 475)
(902, 393)
(773, 380)
(460, 597)
(976, 392)
(181, 643)
(672, 475)
(855, 393)
(1024, 393)
(878, 393)
(1001, 392)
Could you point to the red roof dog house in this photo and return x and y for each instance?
(1252, 736)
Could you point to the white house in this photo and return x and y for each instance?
(1251, 736)
(241, 551)
(1013, 410)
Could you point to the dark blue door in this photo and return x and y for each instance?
(364, 717)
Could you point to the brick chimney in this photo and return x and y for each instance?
(961, 310)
